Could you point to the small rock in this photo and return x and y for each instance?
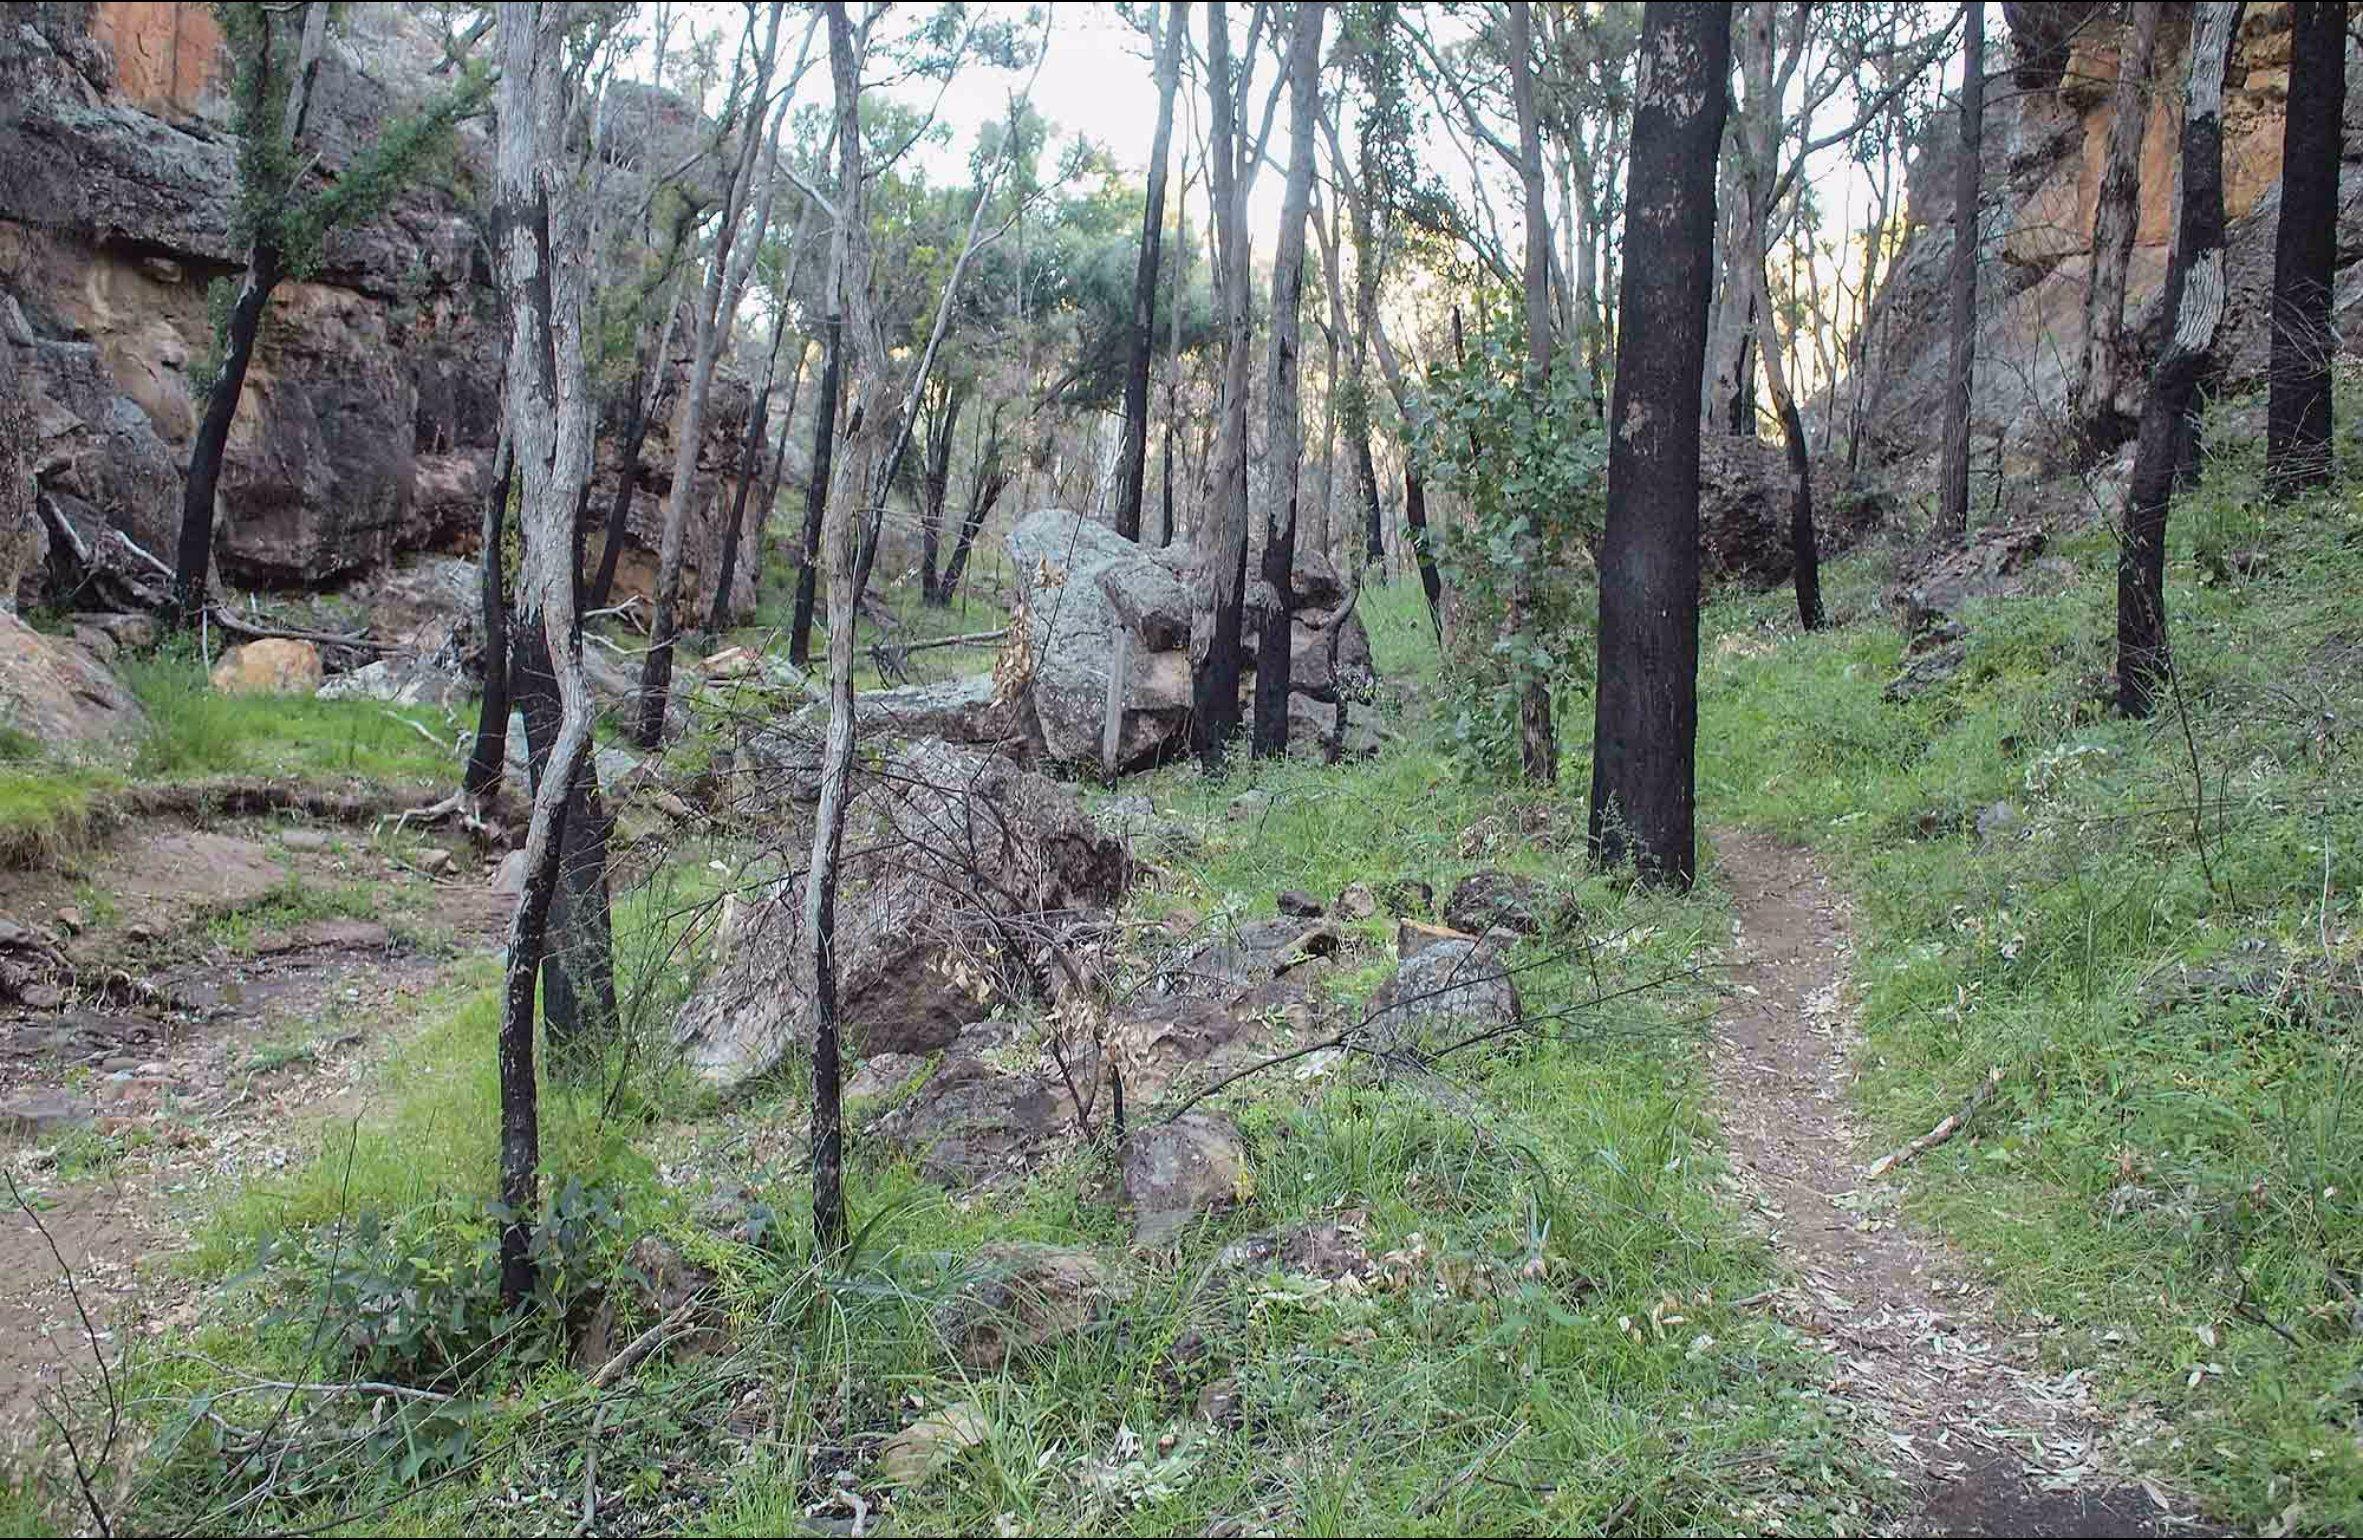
(912, 1455)
(304, 839)
(41, 1114)
(435, 861)
(1297, 902)
(1999, 821)
(1485, 899)
(1219, 1402)
(882, 1074)
(1174, 1172)
(732, 663)
(1019, 1296)
(273, 665)
(508, 878)
(1356, 902)
(1413, 937)
(1442, 996)
(69, 920)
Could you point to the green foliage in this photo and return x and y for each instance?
(1530, 460)
(272, 210)
(414, 1298)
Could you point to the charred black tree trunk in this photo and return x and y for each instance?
(645, 385)
(2194, 310)
(1804, 546)
(192, 567)
(2305, 249)
(1222, 534)
(935, 485)
(750, 471)
(488, 757)
(1133, 468)
(1538, 739)
(991, 480)
(1274, 665)
(816, 486)
(578, 953)
(1645, 734)
(1952, 515)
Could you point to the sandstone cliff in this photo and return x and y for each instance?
(2046, 135)
(370, 415)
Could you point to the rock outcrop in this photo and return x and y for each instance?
(368, 421)
(959, 865)
(2045, 141)
(55, 693)
(1093, 600)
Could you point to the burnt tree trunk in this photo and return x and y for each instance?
(193, 558)
(935, 485)
(1222, 535)
(1952, 513)
(539, 241)
(1133, 465)
(990, 481)
(2305, 250)
(1645, 733)
(1538, 742)
(2097, 424)
(488, 757)
(816, 485)
(2194, 311)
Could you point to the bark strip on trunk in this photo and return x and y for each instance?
(2194, 310)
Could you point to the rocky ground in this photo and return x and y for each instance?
(183, 1005)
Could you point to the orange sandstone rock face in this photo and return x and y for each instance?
(168, 57)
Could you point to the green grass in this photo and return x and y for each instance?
(2168, 1173)
(196, 730)
(1554, 1307)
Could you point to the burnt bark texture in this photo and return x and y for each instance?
(549, 417)
(1285, 396)
(1538, 741)
(2305, 248)
(2097, 424)
(1221, 545)
(1952, 492)
(1132, 471)
(488, 755)
(2194, 312)
(1645, 732)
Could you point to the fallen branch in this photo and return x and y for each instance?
(965, 639)
(253, 632)
(1942, 1132)
(640, 1347)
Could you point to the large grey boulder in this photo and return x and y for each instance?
(958, 862)
(1083, 586)
(1093, 599)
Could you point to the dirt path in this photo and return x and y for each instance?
(1990, 1441)
(254, 1001)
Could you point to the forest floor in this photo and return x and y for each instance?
(2000, 1444)
(263, 964)
(1630, 1273)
